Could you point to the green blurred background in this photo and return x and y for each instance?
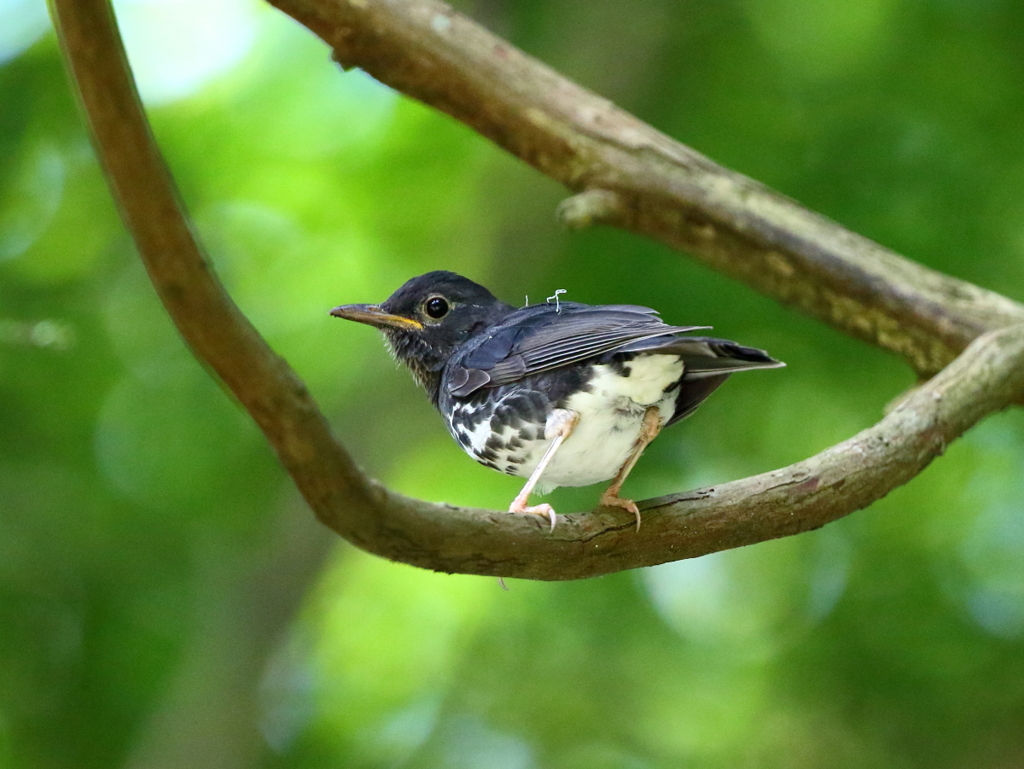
(167, 600)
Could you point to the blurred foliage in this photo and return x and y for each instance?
(165, 598)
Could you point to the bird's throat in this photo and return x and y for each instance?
(424, 363)
(426, 378)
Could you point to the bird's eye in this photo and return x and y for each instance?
(436, 307)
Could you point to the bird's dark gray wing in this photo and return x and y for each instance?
(543, 337)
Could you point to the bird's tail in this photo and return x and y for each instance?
(706, 357)
(708, 363)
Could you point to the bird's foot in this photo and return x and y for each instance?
(545, 510)
(612, 499)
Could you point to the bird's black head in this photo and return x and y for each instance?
(427, 319)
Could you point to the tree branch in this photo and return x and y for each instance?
(661, 188)
(216, 330)
(650, 184)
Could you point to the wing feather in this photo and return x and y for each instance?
(542, 337)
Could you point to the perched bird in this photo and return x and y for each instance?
(561, 393)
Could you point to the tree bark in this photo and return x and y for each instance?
(636, 177)
(623, 173)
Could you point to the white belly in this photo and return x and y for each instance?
(611, 414)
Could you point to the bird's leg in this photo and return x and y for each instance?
(649, 430)
(559, 426)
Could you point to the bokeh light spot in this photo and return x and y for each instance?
(22, 22)
(177, 46)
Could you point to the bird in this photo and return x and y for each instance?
(560, 393)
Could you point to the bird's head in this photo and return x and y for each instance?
(427, 319)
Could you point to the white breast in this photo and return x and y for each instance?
(611, 413)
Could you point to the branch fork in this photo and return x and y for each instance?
(969, 340)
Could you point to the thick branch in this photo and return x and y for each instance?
(661, 188)
(804, 496)
(801, 497)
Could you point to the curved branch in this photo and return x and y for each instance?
(664, 189)
(987, 376)
(213, 326)
(842, 479)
